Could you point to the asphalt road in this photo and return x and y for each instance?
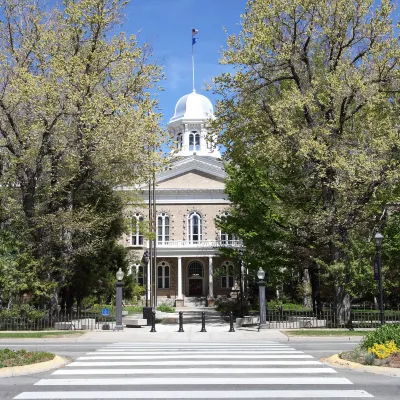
(381, 387)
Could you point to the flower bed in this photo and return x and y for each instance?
(380, 347)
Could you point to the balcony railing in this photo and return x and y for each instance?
(201, 243)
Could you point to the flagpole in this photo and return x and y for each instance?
(193, 66)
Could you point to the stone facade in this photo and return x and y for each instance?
(191, 194)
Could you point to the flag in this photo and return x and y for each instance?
(194, 40)
(195, 31)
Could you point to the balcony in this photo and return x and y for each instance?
(200, 244)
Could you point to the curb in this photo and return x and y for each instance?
(336, 361)
(56, 362)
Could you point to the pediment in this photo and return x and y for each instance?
(192, 180)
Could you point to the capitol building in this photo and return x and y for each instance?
(189, 196)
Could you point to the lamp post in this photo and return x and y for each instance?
(261, 288)
(378, 243)
(146, 258)
(147, 311)
(240, 255)
(118, 285)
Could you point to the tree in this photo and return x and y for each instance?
(75, 111)
(313, 109)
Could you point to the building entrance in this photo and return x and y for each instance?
(195, 278)
(195, 287)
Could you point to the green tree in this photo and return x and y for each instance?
(312, 108)
(75, 111)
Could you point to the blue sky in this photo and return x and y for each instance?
(167, 25)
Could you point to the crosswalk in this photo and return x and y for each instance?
(267, 370)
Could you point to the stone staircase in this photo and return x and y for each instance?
(195, 304)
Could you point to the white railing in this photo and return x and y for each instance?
(201, 243)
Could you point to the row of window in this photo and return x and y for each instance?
(194, 229)
(194, 141)
(195, 269)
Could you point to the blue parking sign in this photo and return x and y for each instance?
(105, 312)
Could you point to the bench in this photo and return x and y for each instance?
(134, 322)
(247, 321)
(64, 326)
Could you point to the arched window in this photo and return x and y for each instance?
(226, 238)
(227, 280)
(194, 141)
(140, 275)
(137, 230)
(195, 229)
(195, 269)
(136, 272)
(163, 275)
(162, 228)
(179, 141)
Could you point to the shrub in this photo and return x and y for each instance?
(225, 306)
(383, 350)
(382, 335)
(369, 359)
(166, 308)
(133, 309)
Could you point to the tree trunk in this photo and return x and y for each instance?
(342, 306)
(306, 283)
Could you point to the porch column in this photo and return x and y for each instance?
(210, 279)
(179, 297)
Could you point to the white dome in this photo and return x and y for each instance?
(193, 106)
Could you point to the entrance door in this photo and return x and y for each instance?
(195, 287)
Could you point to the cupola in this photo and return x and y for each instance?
(188, 126)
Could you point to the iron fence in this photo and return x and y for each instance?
(64, 319)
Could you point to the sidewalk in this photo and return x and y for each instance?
(169, 333)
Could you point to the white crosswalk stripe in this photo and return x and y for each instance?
(194, 371)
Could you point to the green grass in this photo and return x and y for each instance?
(315, 332)
(14, 358)
(31, 335)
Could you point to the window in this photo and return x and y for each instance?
(163, 276)
(137, 230)
(179, 141)
(227, 280)
(194, 141)
(195, 269)
(226, 238)
(163, 228)
(195, 231)
(140, 275)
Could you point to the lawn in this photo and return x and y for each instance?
(14, 358)
(317, 332)
(33, 335)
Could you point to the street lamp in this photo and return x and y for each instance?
(378, 243)
(261, 288)
(147, 311)
(240, 255)
(118, 285)
(146, 258)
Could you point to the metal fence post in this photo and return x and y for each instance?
(231, 329)
(181, 321)
(203, 322)
(153, 322)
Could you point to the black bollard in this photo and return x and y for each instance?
(153, 322)
(232, 329)
(181, 322)
(203, 322)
